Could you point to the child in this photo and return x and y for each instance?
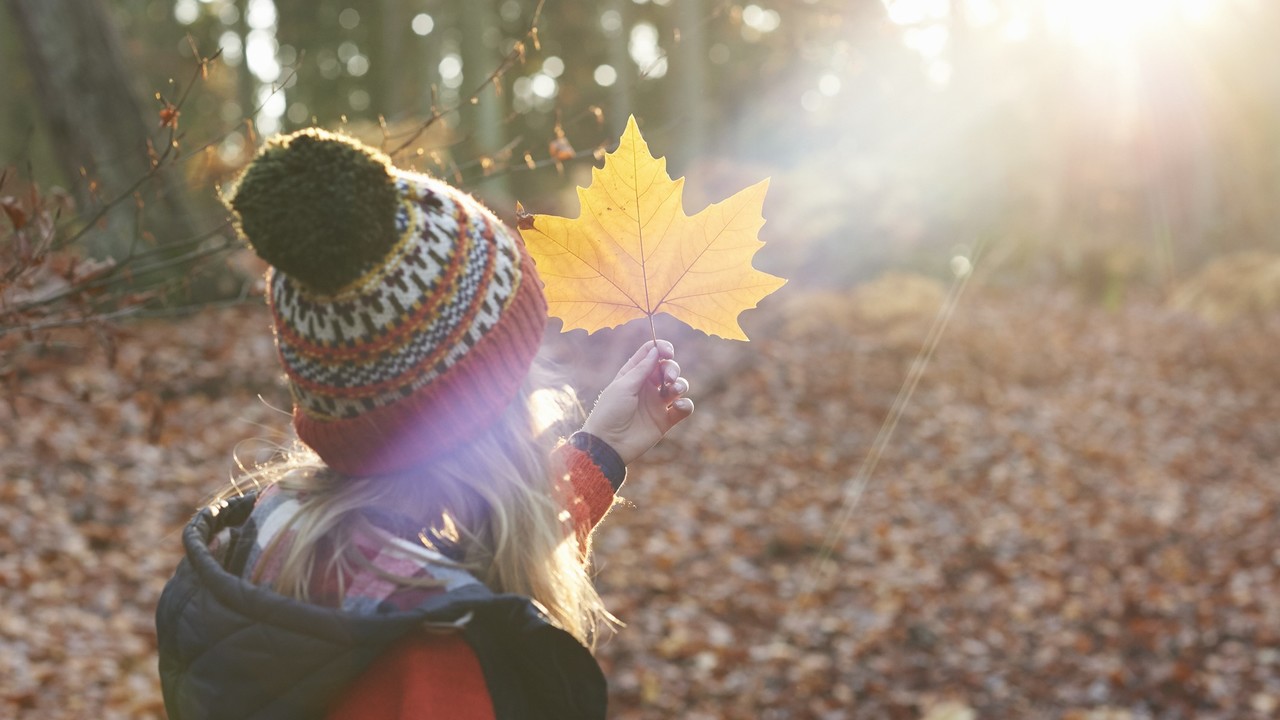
(423, 556)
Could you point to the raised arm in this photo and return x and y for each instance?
(643, 402)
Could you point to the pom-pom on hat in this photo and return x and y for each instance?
(406, 315)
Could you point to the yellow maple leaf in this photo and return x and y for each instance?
(632, 252)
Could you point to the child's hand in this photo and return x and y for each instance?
(644, 401)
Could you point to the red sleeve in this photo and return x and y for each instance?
(421, 677)
(588, 495)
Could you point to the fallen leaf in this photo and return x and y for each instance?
(633, 252)
(949, 710)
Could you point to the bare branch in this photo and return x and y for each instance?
(516, 55)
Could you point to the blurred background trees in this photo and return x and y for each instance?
(1109, 145)
(83, 87)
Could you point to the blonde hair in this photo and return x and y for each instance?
(497, 498)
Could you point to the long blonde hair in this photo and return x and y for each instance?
(497, 498)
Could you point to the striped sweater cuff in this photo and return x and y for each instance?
(604, 456)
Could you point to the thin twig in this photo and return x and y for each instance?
(510, 59)
(111, 275)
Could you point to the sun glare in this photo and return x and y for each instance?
(549, 406)
(1088, 24)
(1121, 22)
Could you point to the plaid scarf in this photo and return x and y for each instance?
(399, 552)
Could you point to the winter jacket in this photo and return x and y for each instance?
(233, 649)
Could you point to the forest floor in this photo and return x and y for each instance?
(1078, 516)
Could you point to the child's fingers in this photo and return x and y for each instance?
(667, 372)
(665, 350)
(679, 410)
(670, 371)
(636, 358)
(635, 374)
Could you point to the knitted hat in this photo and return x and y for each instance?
(406, 315)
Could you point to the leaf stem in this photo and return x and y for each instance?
(644, 273)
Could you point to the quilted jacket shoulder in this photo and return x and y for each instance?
(232, 649)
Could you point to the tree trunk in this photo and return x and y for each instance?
(690, 67)
(96, 125)
(482, 122)
(620, 97)
(388, 59)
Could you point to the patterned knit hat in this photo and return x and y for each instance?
(406, 315)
